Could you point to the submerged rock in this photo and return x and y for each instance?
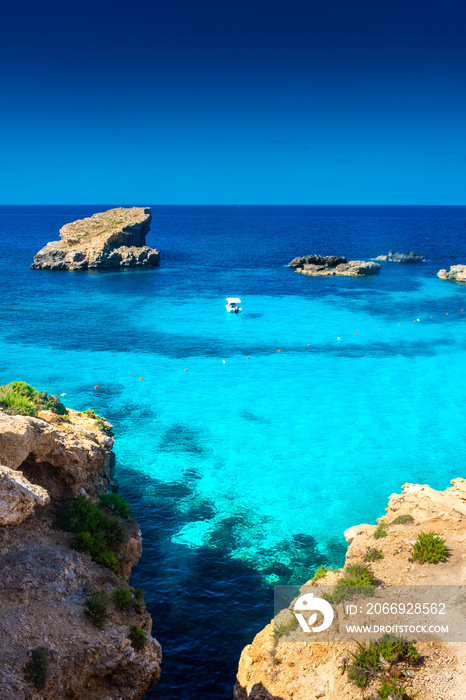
(456, 273)
(411, 257)
(114, 238)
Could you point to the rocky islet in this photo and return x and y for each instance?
(115, 238)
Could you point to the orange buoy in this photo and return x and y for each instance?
(248, 357)
(309, 345)
(186, 369)
(399, 325)
(141, 378)
(278, 350)
(432, 317)
(96, 386)
(446, 314)
(380, 329)
(355, 334)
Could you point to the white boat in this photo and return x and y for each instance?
(232, 305)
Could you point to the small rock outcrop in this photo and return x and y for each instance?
(18, 497)
(456, 273)
(115, 238)
(293, 668)
(46, 578)
(326, 266)
(411, 257)
(320, 260)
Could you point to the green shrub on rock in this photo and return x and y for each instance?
(137, 637)
(390, 690)
(123, 599)
(35, 671)
(403, 519)
(370, 659)
(380, 531)
(95, 608)
(95, 533)
(20, 398)
(358, 580)
(373, 555)
(138, 600)
(320, 573)
(116, 503)
(429, 548)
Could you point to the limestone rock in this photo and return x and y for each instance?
(18, 497)
(353, 268)
(62, 457)
(352, 532)
(115, 238)
(45, 583)
(321, 260)
(328, 265)
(411, 257)
(456, 272)
(292, 669)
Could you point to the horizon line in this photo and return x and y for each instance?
(197, 204)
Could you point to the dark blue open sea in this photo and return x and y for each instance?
(245, 472)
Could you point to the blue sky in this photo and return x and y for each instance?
(218, 102)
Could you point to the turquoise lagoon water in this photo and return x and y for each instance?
(245, 472)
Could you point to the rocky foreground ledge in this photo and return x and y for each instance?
(70, 625)
(284, 667)
(328, 265)
(114, 238)
(457, 273)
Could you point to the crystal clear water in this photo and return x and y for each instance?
(245, 472)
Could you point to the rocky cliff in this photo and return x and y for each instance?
(115, 238)
(288, 668)
(329, 265)
(70, 625)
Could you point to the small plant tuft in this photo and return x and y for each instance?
(358, 580)
(101, 425)
(403, 519)
(123, 599)
(370, 659)
(373, 554)
(284, 628)
(137, 637)
(89, 412)
(116, 503)
(380, 531)
(320, 573)
(95, 608)
(390, 690)
(35, 671)
(429, 548)
(138, 600)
